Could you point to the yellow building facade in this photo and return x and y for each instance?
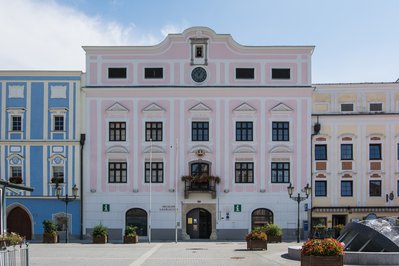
(355, 166)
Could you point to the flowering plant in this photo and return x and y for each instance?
(323, 247)
(256, 234)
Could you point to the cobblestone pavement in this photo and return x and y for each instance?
(159, 253)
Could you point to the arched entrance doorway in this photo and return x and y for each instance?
(261, 217)
(199, 224)
(18, 221)
(137, 217)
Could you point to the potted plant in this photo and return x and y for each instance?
(100, 234)
(326, 252)
(130, 236)
(49, 232)
(273, 232)
(16, 179)
(256, 239)
(337, 229)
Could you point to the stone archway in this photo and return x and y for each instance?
(187, 207)
(19, 221)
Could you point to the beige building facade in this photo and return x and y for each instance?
(355, 153)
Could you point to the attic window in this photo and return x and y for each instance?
(199, 51)
(375, 107)
(153, 73)
(245, 73)
(117, 73)
(347, 107)
(281, 73)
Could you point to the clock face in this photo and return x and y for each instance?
(198, 74)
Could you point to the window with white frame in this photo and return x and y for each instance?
(375, 107)
(58, 123)
(58, 174)
(244, 172)
(346, 107)
(16, 123)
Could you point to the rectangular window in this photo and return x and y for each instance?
(320, 188)
(244, 131)
(58, 123)
(153, 73)
(375, 152)
(397, 187)
(281, 131)
(280, 172)
(156, 172)
(200, 131)
(117, 73)
(347, 107)
(375, 188)
(375, 107)
(320, 152)
(244, 172)
(58, 173)
(245, 73)
(346, 152)
(281, 73)
(153, 131)
(398, 150)
(346, 188)
(16, 123)
(117, 172)
(16, 171)
(117, 131)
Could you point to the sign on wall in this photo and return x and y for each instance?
(237, 207)
(106, 208)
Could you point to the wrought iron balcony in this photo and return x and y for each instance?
(200, 184)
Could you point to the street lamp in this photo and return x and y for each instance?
(66, 199)
(298, 199)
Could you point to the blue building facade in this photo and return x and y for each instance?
(40, 147)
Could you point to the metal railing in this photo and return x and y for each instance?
(15, 255)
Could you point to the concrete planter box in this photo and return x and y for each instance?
(274, 239)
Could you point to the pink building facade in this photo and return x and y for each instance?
(221, 128)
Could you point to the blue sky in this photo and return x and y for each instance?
(356, 40)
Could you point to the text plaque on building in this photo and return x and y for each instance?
(106, 208)
(237, 207)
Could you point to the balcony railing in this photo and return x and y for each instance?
(200, 184)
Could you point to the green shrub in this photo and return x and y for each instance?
(49, 227)
(131, 230)
(100, 230)
(273, 230)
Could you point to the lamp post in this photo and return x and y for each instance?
(66, 199)
(298, 199)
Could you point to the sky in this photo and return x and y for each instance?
(356, 40)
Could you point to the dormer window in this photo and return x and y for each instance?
(199, 53)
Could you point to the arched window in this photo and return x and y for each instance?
(137, 217)
(261, 217)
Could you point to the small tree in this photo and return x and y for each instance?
(49, 227)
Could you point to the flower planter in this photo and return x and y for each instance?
(322, 260)
(50, 238)
(256, 244)
(274, 239)
(130, 239)
(100, 239)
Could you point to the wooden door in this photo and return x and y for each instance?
(18, 221)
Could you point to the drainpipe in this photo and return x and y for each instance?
(82, 143)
